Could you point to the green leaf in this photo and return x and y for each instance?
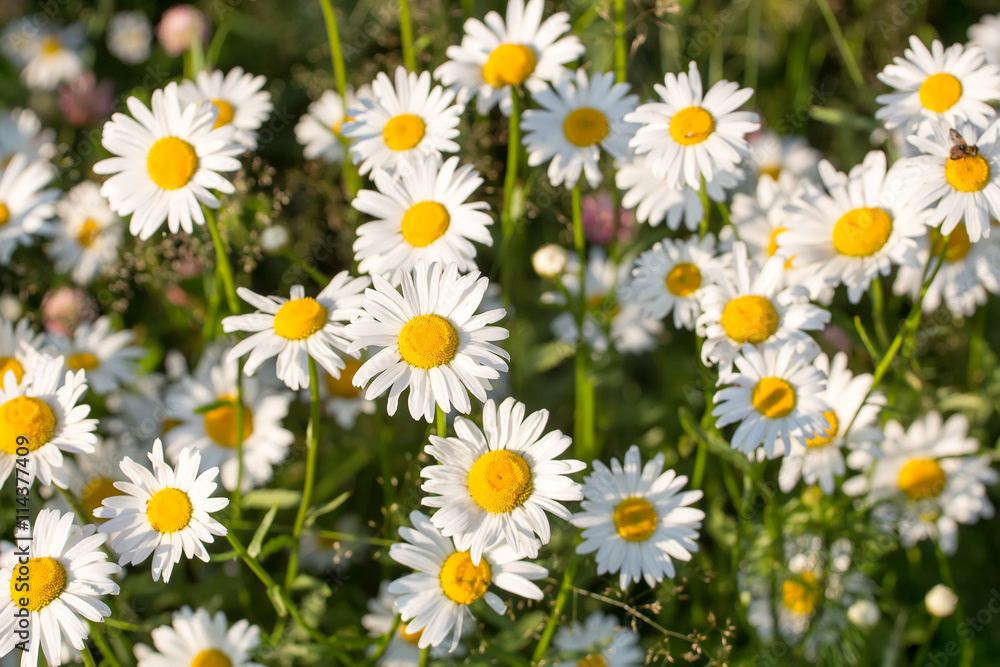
(268, 498)
(212, 406)
(841, 118)
(325, 509)
(258, 537)
(276, 544)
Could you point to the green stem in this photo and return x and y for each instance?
(621, 49)
(507, 222)
(583, 435)
(878, 312)
(107, 654)
(703, 227)
(699, 466)
(383, 645)
(312, 445)
(351, 178)
(844, 48)
(88, 658)
(406, 33)
(442, 422)
(557, 609)
(425, 656)
(949, 580)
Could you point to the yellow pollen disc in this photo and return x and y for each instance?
(428, 341)
(939, 92)
(299, 319)
(635, 519)
(27, 417)
(684, 279)
(4, 214)
(772, 245)
(88, 233)
(585, 127)
(750, 319)
(341, 387)
(220, 423)
(171, 163)
(774, 171)
(51, 46)
(46, 582)
(11, 364)
(921, 479)
(413, 637)
(463, 582)
(94, 493)
(82, 361)
(593, 660)
(691, 126)
(500, 481)
(225, 116)
(211, 658)
(424, 223)
(800, 596)
(862, 232)
(773, 397)
(509, 65)
(169, 510)
(336, 126)
(958, 247)
(831, 432)
(403, 132)
(969, 173)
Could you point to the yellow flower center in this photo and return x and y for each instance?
(749, 318)
(774, 171)
(93, 496)
(463, 582)
(585, 127)
(862, 232)
(921, 479)
(4, 214)
(958, 247)
(939, 92)
(28, 418)
(403, 132)
(772, 245)
(428, 341)
(51, 46)
(592, 660)
(82, 361)
(773, 397)
(509, 65)
(211, 658)
(424, 223)
(225, 116)
(342, 387)
(220, 422)
(11, 364)
(169, 510)
(691, 126)
(171, 163)
(46, 582)
(635, 519)
(412, 637)
(336, 126)
(800, 596)
(831, 432)
(88, 233)
(969, 173)
(500, 481)
(299, 319)
(684, 279)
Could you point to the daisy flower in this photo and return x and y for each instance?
(600, 641)
(85, 243)
(772, 155)
(857, 231)
(500, 54)
(403, 649)
(19, 346)
(343, 401)
(109, 358)
(21, 131)
(42, 415)
(774, 394)
(669, 278)
(25, 207)
(926, 480)
(986, 35)
(129, 37)
(422, 214)
(749, 304)
(968, 185)
(496, 486)
(820, 460)
(213, 431)
(237, 98)
(319, 129)
(688, 136)
(636, 518)
(430, 339)
(297, 329)
(67, 574)
(166, 162)
(578, 119)
(961, 285)
(53, 56)
(941, 84)
(654, 200)
(435, 599)
(403, 122)
(200, 639)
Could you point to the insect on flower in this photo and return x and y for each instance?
(960, 149)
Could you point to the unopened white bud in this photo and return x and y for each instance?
(274, 238)
(940, 601)
(549, 260)
(864, 614)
